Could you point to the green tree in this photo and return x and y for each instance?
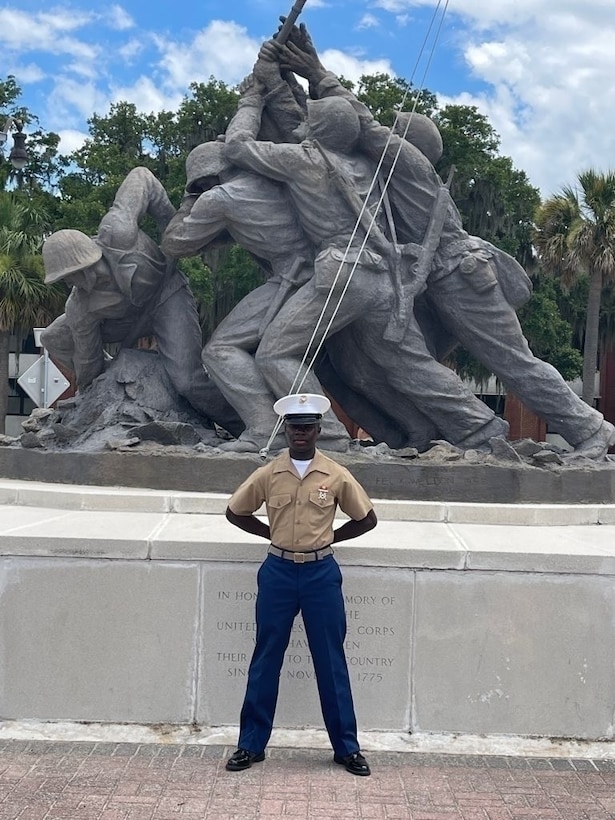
(496, 200)
(25, 300)
(125, 138)
(229, 274)
(575, 235)
(385, 95)
(549, 334)
(206, 113)
(95, 171)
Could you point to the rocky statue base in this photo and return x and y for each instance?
(383, 476)
(130, 428)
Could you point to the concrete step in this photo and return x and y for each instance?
(128, 499)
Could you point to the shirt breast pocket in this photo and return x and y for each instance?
(322, 499)
(277, 502)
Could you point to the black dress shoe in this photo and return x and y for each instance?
(354, 763)
(242, 759)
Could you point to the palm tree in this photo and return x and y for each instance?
(574, 236)
(25, 300)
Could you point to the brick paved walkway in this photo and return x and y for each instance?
(42, 780)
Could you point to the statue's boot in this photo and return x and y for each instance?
(251, 442)
(597, 445)
(479, 439)
(333, 443)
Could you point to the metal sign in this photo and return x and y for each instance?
(43, 382)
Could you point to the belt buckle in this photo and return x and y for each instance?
(299, 557)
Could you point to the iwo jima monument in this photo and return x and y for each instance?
(372, 280)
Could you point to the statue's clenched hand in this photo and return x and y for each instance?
(267, 70)
(300, 37)
(299, 55)
(250, 86)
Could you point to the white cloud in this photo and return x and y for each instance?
(82, 69)
(119, 18)
(552, 97)
(71, 140)
(71, 102)
(131, 50)
(23, 33)
(227, 52)
(542, 71)
(394, 6)
(223, 49)
(368, 21)
(146, 96)
(547, 72)
(27, 73)
(352, 68)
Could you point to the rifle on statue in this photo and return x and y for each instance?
(417, 272)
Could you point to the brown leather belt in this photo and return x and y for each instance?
(301, 557)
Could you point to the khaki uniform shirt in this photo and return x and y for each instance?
(301, 510)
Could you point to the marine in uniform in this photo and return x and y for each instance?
(301, 489)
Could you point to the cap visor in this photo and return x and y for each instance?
(305, 419)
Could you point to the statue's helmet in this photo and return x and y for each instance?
(66, 252)
(421, 132)
(204, 162)
(333, 122)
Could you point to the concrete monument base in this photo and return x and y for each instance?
(120, 606)
(489, 482)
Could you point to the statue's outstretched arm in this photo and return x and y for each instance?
(199, 220)
(247, 120)
(139, 194)
(281, 94)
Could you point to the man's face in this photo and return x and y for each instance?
(301, 438)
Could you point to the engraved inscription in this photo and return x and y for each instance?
(379, 606)
(371, 642)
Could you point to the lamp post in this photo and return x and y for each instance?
(18, 156)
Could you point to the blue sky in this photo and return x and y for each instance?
(541, 71)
